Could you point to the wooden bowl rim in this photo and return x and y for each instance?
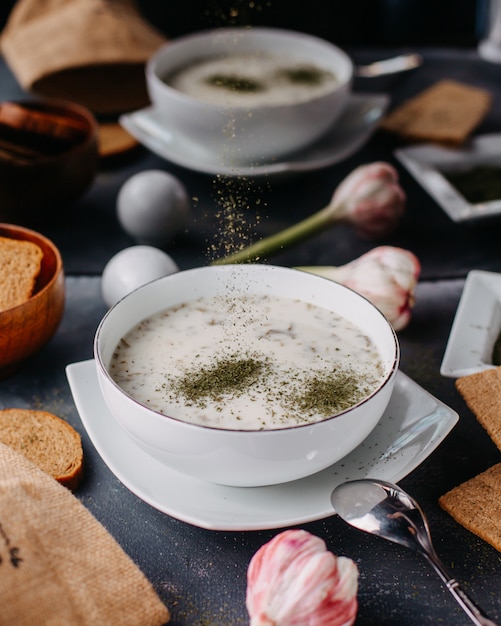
(61, 106)
(9, 231)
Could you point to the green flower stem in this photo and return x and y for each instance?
(265, 248)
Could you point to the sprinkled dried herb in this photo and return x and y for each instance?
(231, 82)
(304, 75)
(303, 396)
(329, 393)
(477, 184)
(227, 375)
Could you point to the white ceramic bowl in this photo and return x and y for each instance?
(245, 457)
(248, 134)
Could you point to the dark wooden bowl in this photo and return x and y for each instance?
(44, 183)
(26, 328)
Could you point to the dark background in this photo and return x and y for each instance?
(357, 22)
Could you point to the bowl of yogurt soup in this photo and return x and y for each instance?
(246, 96)
(246, 375)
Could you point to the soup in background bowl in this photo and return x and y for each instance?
(246, 375)
(244, 96)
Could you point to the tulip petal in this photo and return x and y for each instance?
(386, 275)
(294, 581)
(371, 199)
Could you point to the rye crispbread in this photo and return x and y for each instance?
(476, 505)
(20, 263)
(482, 393)
(46, 440)
(446, 113)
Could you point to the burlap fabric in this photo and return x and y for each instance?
(91, 52)
(58, 564)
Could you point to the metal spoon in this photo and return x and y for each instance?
(383, 509)
(401, 63)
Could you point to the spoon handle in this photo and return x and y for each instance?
(476, 615)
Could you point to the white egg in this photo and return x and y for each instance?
(132, 267)
(153, 207)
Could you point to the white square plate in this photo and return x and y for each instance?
(476, 326)
(412, 427)
(427, 162)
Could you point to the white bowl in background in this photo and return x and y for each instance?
(246, 135)
(476, 326)
(245, 457)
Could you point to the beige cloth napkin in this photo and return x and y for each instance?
(88, 51)
(58, 564)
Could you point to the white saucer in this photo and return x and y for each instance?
(476, 326)
(414, 424)
(426, 162)
(350, 133)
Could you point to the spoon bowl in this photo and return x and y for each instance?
(384, 509)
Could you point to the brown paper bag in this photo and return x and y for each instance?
(91, 52)
(58, 564)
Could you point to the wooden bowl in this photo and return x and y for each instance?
(43, 167)
(26, 328)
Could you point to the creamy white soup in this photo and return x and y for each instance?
(247, 362)
(252, 80)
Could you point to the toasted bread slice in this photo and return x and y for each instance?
(20, 263)
(114, 140)
(46, 440)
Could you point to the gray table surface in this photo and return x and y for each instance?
(201, 574)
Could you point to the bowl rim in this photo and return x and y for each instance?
(61, 106)
(184, 40)
(7, 230)
(388, 378)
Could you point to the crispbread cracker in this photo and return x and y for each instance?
(476, 505)
(447, 112)
(482, 393)
(20, 263)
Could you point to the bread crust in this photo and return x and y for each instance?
(46, 440)
(20, 263)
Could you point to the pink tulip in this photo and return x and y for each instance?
(387, 276)
(294, 581)
(369, 198)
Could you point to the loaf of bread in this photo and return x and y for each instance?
(20, 263)
(46, 440)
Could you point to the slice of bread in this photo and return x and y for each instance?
(114, 140)
(20, 263)
(46, 440)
